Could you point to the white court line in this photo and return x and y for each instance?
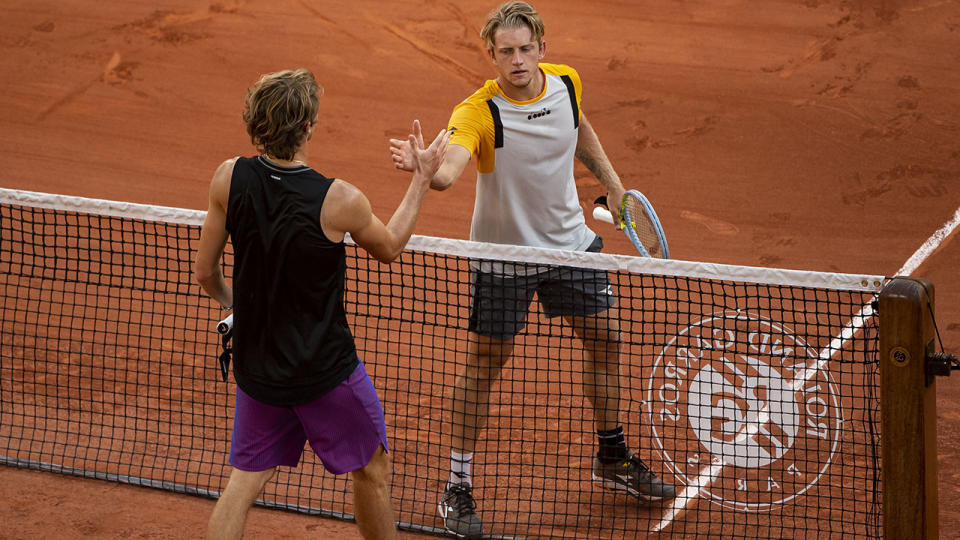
(930, 245)
(710, 473)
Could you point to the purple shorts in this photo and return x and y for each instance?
(345, 427)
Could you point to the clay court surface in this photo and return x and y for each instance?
(807, 134)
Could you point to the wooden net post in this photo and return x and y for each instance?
(908, 410)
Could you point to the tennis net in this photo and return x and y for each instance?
(752, 390)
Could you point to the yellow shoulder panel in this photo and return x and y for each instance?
(560, 70)
(472, 126)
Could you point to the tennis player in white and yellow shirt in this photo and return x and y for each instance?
(524, 128)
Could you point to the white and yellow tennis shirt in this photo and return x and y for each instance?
(526, 193)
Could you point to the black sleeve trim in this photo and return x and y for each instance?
(573, 100)
(497, 124)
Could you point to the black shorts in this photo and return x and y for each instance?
(500, 302)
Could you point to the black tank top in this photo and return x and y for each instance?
(292, 343)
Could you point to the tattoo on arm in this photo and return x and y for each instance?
(591, 163)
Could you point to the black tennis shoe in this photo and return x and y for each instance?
(634, 477)
(459, 512)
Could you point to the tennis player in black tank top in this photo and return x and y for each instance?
(298, 346)
(294, 355)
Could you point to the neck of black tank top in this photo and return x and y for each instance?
(285, 163)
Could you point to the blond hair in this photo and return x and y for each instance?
(279, 107)
(512, 15)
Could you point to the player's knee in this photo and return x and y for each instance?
(376, 472)
(479, 378)
(611, 336)
(492, 354)
(247, 485)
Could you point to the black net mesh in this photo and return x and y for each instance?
(757, 401)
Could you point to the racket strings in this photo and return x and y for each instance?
(636, 217)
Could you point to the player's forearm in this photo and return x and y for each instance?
(213, 283)
(444, 178)
(454, 162)
(207, 269)
(590, 152)
(597, 163)
(401, 224)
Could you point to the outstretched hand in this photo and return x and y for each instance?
(420, 160)
(402, 150)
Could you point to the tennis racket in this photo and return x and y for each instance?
(639, 222)
(225, 329)
(225, 326)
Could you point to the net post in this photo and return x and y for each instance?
(908, 410)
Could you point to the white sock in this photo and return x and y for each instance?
(460, 468)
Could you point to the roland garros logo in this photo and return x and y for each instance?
(740, 406)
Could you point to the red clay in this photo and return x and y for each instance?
(809, 134)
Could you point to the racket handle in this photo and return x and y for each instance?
(602, 214)
(225, 325)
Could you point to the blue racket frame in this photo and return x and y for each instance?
(654, 220)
